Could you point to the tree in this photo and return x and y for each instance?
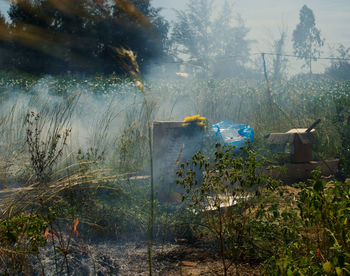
(83, 35)
(307, 39)
(279, 61)
(211, 44)
(32, 38)
(340, 67)
(5, 45)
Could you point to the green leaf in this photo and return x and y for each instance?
(339, 271)
(327, 267)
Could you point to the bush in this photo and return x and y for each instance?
(226, 190)
(323, 245)
(20, 238)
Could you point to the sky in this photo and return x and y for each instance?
(4, 6)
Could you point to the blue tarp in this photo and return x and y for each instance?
(233, 134)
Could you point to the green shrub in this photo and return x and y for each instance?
(20, 237)
(323, 245)
(226, 190)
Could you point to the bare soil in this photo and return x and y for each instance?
(172, 259)
(132, 259)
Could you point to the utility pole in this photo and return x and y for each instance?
(268, 90)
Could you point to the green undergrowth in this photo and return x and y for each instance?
(288, 231)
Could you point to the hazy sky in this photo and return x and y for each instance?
(266, 18)
(3, 6)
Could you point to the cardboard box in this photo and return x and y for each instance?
(299, 140)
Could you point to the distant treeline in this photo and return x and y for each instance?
(60, 36)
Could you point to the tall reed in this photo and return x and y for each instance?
(132, 66)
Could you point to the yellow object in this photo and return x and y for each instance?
(194, 118)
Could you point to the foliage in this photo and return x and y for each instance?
(340, 67)
(177, 220)
(44, 151)
(207, 41)
(20, 237)
(342, 122)
(323, 243)
(279, 62)
(226, 190)
(81, 36)
(307, 38)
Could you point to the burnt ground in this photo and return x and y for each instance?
(131, 258)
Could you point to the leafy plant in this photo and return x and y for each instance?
(323, 244)
(342, 122)
(43, 153)
(226, 190)
(20, 237)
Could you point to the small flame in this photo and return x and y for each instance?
(48, 235)
(74, 227)
(318, 252)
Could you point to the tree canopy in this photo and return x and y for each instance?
(307, 39)
(206, 37)
(340, 67)
(279, 60)
(51, 36)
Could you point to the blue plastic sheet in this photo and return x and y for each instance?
(233, 134)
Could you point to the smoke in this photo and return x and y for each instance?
(96, 118)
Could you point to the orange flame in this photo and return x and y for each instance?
(318, 252)
(48, 235)
(74, 228)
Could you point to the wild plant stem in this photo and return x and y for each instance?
(150, 234)
(221, 238)
(41, 264)
(67, 265)
(135, 73)
(54, 248)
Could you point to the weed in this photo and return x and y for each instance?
(322, 246)
(20, 237)
(44, 153)
(225, 190)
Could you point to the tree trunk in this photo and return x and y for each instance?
(310, 66)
